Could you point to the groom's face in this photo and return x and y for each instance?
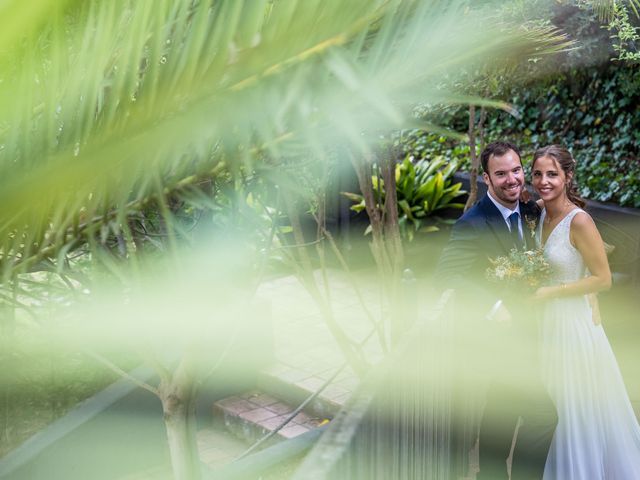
(505, 178)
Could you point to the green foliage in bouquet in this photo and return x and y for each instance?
(423, 188)
(521, 268)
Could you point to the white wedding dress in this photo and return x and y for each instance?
(598, 436)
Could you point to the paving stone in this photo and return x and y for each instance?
(273, 422)
(294, 375)
(215, 457)
(276, 368)
(311, 383)
(346, 373)
(342, 399)
(235, 405)
(280, 408)
(327, 374)
(257, 415)
(218, 447)
(293, 431)
(350, 384)
(305, 355)
(301, 418)
(334, 391)
(262, 399)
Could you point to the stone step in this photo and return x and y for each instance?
(295, 385)
(252, 415)
(218, 447)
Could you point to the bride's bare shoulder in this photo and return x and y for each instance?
(582, 225)
(582, 218)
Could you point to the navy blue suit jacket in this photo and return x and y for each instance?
(478, 235)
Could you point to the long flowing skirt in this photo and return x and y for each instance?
(598, 436)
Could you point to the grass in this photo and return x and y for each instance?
(39, 383)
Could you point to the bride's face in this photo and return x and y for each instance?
(548, 179)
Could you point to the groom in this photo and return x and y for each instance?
(497, 335)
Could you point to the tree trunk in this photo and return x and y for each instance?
(7, 331)
(178, 405)
(483, 117)
(386, 245)
(393, 247)
(473, 174)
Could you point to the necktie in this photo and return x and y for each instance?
(515, 231)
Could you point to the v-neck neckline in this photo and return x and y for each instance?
(543, 216)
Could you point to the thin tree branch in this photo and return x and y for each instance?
(292, 415)
(473, 174)
(377, 324)
(112, 366)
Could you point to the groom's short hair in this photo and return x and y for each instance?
(498, 149)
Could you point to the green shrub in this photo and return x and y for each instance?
(423, 189)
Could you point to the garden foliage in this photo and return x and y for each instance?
(587, 99)
(423, 188)
(594, 112)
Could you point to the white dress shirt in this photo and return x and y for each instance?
(505, 212)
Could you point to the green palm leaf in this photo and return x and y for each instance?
(111, 103)
(604, 8)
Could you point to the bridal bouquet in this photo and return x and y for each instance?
(526, 268)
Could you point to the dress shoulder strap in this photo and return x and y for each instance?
(573, 213)
(565, 223)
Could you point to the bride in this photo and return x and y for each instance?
(598, 436)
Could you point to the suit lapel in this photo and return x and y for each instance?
(530, 217)
(496, 224)
(530, 214)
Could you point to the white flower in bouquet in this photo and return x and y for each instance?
(526, 268)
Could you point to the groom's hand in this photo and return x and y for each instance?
(525, 196)
(500, 315)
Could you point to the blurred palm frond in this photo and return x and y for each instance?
(605, 8)
(107, 104)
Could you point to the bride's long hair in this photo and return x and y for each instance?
(568, 164)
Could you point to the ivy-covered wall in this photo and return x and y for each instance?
(595, 112)
(588, 100)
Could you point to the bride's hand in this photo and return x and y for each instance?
(544, 293)
(595, 309)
